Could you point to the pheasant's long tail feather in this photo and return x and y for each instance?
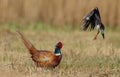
(27, 43)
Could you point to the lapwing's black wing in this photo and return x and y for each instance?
(96, 10)
(98, 21)
(92, 24)
(89, 19)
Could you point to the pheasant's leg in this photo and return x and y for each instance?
(37, 64)
(96, 35)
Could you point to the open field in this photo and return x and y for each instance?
(82, 57)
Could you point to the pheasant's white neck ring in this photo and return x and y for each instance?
(57, 51)
(57, 54)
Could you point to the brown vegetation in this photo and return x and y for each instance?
(58, 11)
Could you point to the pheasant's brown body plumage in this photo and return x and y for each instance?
(46, 58)
(43, 58)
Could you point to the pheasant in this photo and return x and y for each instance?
(43, 58)
(94, 19)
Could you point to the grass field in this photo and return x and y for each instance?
(82, 56)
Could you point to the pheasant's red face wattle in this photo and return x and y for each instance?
(60, 45)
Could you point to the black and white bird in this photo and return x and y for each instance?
(92, 20)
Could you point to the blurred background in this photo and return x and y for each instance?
(58, 12)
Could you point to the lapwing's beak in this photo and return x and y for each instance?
(102, 32)
(103, 36)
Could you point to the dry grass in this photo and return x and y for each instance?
(82, 57)
(58, 12)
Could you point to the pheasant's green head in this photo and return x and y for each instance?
(57, 49)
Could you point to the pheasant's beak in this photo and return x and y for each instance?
(56, 45)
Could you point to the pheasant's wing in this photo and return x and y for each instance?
(87, 20)
(44, 58)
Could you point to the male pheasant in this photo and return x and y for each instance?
(94, 19)
(43, 58)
